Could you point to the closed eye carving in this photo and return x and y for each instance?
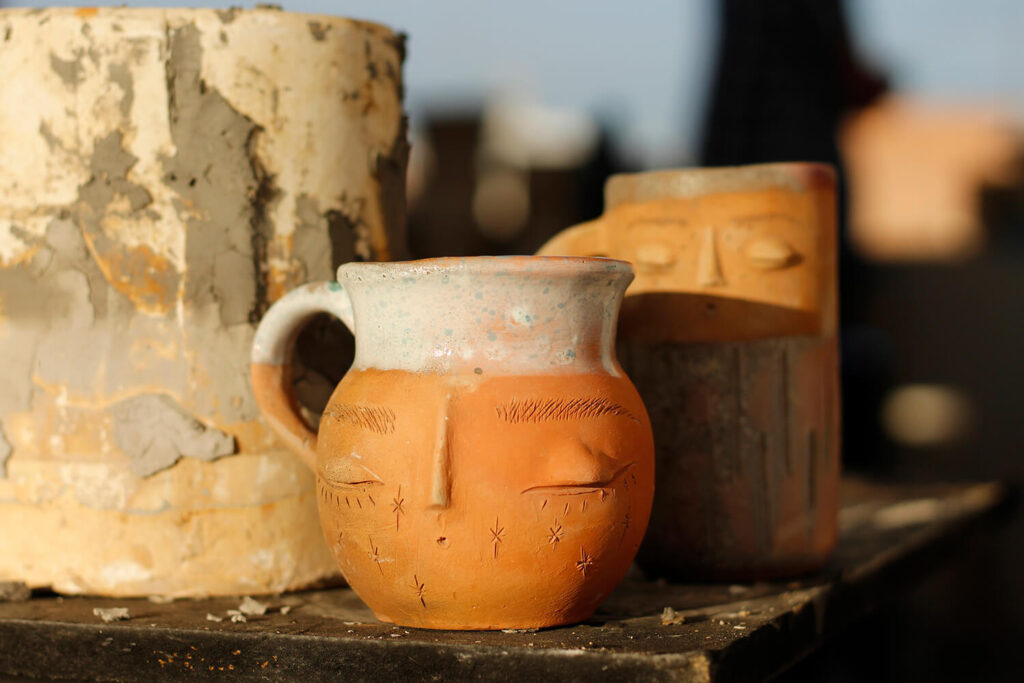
(581, 487)
(771, 253)
(348, 472)
(573, 468)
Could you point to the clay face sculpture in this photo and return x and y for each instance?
(750, 247)
(485, 463)
(729, 333)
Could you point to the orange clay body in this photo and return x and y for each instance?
(486, 498)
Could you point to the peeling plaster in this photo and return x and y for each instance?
(225, 194)
(110, 163)
(5, 452)
(52, 141)
(69, 71)
(227, 15)
(62, 300)
(67, 245)
(351, 222)
(122, 76)
(390, 170)
(318, 30)
(29, 299)
(155, 432)
(217, 173)
(99, 198)
(320, 250)
(149, 280)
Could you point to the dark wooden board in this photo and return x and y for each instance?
(891, 537)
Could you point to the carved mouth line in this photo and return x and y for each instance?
(580, 489)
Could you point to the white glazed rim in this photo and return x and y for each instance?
(547, 266)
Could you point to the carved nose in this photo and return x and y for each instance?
(709, 268)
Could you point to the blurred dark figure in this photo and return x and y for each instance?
(442, 224)
(446, 219)
(786, 75)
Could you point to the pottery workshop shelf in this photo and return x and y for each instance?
(891, 537)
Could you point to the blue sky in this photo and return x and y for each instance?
(643, 66)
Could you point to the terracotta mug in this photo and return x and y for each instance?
(485, 463)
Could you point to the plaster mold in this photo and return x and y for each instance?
(165, 175)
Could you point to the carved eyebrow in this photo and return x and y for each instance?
(541, 410)
(375, 418)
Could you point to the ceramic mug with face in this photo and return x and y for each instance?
(485, 463)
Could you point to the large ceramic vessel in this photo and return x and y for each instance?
(485, 463)
(166, 174)
(729, 332)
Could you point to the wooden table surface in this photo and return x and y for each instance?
(891, 536)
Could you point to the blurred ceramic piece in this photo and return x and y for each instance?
(485, 464)
(165, 174)
(729, 332)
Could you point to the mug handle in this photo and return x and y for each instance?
(270, 365)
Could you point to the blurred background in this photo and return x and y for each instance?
(520, 111)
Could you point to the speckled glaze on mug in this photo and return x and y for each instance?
(485, 464)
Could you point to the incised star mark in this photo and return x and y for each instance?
(584, 563)
(555, 535)
(375, 556)
(398, 506)
(496, 535)
(417, 586)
